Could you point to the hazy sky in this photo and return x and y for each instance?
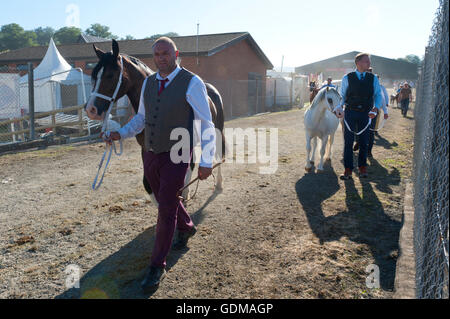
(304, 31)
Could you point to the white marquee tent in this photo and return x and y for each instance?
(55, 83)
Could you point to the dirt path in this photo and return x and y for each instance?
(285, 235)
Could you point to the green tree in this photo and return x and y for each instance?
(168, 34)
(128, 37)
(102, 31)
(411, 58)
(67, 35)
(13, 36)
(43, 35)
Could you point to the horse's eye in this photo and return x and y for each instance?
(330, 101)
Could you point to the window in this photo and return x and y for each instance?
(22, 67)
(4, 68)
(90, 65)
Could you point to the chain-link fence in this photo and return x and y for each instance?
(431, 164)
(58, 106)
(260, 95)
(10, 107)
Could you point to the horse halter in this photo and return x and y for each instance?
(116, 91)
(330, 107)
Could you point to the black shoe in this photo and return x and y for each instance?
(153, 278)
(182, 238)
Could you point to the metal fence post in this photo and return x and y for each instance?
(31, 99)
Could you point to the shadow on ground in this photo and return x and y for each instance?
(119, 275)
(364, 221)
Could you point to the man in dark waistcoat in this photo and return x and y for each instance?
(171, 99)
(360, 91)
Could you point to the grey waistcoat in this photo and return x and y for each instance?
(166, 112)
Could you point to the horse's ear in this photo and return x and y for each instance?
(115, 48)
(99, 52)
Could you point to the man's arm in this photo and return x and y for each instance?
(378, 99)
(135, 125)
(197, 97)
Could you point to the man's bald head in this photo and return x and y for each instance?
(165, 55)
(165, 40)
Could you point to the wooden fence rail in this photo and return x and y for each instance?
(54, 124)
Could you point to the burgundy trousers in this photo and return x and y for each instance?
(166, 179)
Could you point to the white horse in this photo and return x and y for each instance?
(321, 122)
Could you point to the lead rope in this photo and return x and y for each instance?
(368, 124)
(106, 128)
(196, 188)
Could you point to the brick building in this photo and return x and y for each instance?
(233, 62)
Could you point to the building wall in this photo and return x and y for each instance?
(389, 70)
(228, 70)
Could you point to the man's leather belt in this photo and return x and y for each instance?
(358, 108)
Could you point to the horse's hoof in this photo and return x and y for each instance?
(312, 163)
(328, 160)
(308, 169)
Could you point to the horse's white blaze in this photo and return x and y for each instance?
(321, 123)
(91, 109)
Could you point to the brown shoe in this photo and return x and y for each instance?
(347, 174)
(182, 238)
(363, 172)
(356, 147)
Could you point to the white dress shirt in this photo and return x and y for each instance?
(385, 99)
(197, 97)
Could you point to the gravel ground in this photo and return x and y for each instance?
(290, 234)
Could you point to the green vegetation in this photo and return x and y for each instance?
(13, 36)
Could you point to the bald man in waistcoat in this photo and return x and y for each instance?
(171, 99)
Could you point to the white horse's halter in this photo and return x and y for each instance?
(106, 126)
(330, 107)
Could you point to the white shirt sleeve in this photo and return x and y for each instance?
(378, 99)
(386, 99)
(197, 97)
(344, 87)
(137, 123)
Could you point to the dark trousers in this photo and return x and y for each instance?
(356, 121)
(166, 179)
(404, 104)
(372, 133)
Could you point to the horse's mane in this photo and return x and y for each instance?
(139, 63)
(321, 95)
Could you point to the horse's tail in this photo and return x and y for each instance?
(219, 121)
